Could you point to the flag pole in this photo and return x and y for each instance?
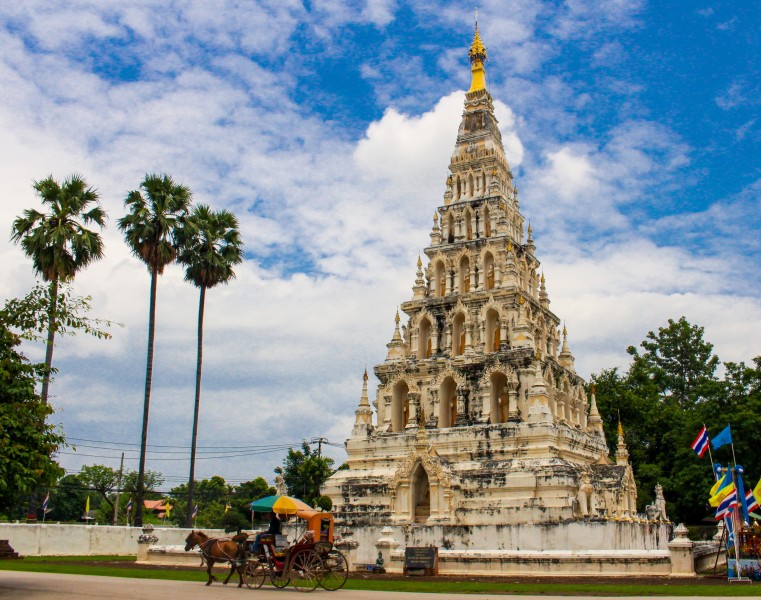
(710, 457)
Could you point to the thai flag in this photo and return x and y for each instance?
(195, 512)
(751, 501)
(129, 505)
(45, 503)
(727, 505)
(700, 445)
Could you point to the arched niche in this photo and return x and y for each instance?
(487, 221)
(499, 397)
(421, 495)
(450, 222)
(489, 271)
(463, 275)
(400, 406)
(458, 334)
(440, 279)
(424, 349)
(492, 341)
(447, 402)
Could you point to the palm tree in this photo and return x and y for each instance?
(210, 245)
(59, 243)
(149, 229)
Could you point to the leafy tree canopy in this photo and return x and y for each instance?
(30, 315)
(27, 442)
(669, 391)
(304, 473)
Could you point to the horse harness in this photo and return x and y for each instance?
(204, 546)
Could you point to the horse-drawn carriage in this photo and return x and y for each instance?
(310, 562)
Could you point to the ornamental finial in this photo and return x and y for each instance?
(478, 57)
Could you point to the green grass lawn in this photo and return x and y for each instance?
(83, 565)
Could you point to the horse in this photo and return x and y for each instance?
(215, 550)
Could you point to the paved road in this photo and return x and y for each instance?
(45, 586)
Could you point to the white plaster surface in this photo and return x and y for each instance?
(43, 539)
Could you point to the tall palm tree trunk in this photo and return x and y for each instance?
(51, 338)
(146, 405)
(199, 366)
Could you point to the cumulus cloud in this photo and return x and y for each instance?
(333, 221)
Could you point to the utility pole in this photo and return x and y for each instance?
(118, 491)
(319, 441)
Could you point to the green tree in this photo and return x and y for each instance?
(668, 392)
(679, 362)
(209, 246)
(29, 316)
(304, 472)
(149, 228)
(28, 444)
(102, 480)
(59, 242)
(67, 499)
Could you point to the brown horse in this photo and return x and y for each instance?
(214, 550)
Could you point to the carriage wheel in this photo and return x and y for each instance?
(335, 571)
(254, 575)
(306, 569)
(279, 579)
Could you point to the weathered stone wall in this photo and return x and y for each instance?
(600, 538)
(45, 539)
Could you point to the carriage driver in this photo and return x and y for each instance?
(275, 528)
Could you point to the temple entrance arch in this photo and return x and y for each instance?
(421, 495)
(400, 406)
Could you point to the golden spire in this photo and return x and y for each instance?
(419, 262)
(477, 59)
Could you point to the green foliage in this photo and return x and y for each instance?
(149, 226)
(29, 315)
(213, 495)
(59, 243)
(668, 392)
(27, 443)
(101, 480)
(679, 362)
(304, 472)
(209, 245)
(67, 499)
(151, 481)
(324, 503)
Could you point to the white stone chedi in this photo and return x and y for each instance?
(480, 419)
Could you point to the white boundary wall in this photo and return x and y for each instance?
(43, 539)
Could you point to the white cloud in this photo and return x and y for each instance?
(334, 225)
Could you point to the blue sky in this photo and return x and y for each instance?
(632, 128)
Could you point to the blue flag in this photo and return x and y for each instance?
(722, 439)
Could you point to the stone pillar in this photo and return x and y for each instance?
(385, 544)
(682, 556)
(347, 545)
(144, 541)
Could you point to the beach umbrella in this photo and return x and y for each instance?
(283, 505)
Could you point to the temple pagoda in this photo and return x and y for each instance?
(480, 422)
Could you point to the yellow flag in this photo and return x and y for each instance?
(227, 507)
(87, 505)
(168, 510)
(717, 486)
(721, 494)
(757, 491)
